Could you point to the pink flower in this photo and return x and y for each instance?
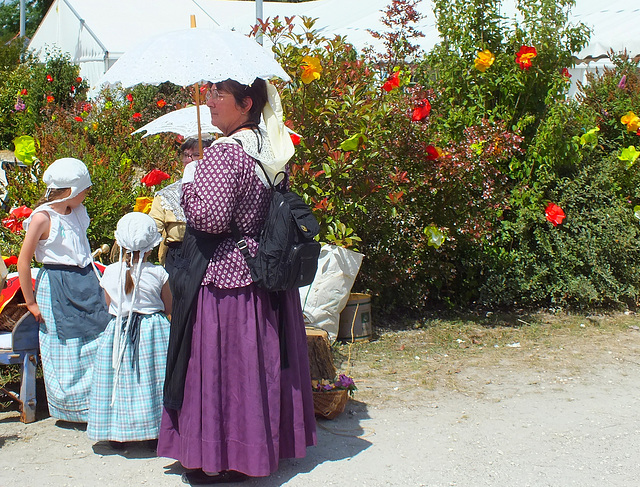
(623, 82)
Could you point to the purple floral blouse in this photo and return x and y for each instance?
(225, 185)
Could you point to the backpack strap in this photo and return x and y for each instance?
(235, 231)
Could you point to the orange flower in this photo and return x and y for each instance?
(143, 204)
(525, 55)
(484, 60)
(161, 103)
(311, 69)
(50, 99)
(632, 121)
(78, 80)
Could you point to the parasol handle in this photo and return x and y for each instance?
(193, 26)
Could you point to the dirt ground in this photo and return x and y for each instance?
(466, 406)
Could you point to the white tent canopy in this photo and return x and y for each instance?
(95, 33)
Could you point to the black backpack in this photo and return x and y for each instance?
(287, 254)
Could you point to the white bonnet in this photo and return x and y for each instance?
(67, 173)
(137, 232)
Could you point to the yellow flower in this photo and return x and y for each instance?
(484, 60)
(632, 121)
(143, 204)
(311, 69)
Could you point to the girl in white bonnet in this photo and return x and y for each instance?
(128, 377)
(68, 303)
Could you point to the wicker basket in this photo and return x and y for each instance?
(329, 404)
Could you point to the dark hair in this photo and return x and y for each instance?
(192, 143)
(257, 91)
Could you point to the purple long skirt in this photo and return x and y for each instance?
(241, 411)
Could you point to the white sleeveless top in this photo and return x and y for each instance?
(149, 294)
(67, 243)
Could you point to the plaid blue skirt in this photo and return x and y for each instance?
(67, 364)
(137, 408)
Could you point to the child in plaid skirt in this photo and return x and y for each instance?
(67, 301)
(128, 376)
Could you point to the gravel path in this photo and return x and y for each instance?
(505, 425)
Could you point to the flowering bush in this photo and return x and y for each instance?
(341, 383)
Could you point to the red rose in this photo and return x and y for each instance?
(554, 214)
(154, 177)
(432, 153)
(392, 83)
(13, 260)
(421, 110)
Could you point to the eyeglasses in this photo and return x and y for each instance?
(213, 94)
(191, 157)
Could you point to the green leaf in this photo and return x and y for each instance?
(25, 149)
(436, 237)
(352, 142)
(591, 137)
(630, 154)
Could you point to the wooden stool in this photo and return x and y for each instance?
(320, 357)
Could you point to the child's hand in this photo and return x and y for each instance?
(35, 311)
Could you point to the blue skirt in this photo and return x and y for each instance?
(67, 364)
(137, 408)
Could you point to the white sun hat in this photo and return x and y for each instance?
(67, 172)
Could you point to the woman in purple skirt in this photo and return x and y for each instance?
(237, 391)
